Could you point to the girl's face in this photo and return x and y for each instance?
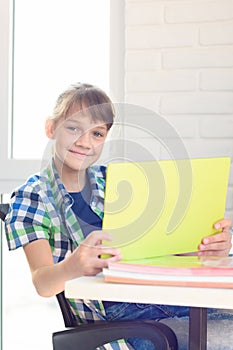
(78, 141)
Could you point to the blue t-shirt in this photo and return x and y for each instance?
(88, 220)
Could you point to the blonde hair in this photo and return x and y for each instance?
(85, 97)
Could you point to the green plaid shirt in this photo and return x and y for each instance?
(41, 209)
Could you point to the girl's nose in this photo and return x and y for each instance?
(84, 140)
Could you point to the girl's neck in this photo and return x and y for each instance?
(73, 180)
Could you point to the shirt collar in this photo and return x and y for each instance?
(96, 175)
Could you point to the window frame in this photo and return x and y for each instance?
(14, 172)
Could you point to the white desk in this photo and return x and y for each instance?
(94, 288)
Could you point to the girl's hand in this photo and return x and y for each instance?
(87, 257)
(218, 244)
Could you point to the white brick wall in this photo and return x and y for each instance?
(179, 63)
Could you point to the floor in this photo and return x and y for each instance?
(28, 320)
(30, 327)
(219, 333)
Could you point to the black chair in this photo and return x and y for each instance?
(93, 335)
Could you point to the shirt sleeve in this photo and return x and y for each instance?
(27, 220)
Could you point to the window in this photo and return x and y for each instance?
(46, 45)
(59, 43)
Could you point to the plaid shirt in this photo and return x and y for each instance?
(41, 209)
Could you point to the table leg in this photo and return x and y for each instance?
(197, 328)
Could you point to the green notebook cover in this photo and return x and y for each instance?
(157, 208)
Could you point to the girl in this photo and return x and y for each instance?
(56, 216)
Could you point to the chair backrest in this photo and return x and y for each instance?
(68, 316)
(3, 210)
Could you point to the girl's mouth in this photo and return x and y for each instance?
(79, 154)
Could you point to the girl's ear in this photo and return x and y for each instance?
(49, 128)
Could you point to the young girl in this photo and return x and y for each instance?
(56, 216)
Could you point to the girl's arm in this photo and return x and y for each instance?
(49, 278)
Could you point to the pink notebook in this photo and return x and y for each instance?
(178, 265)
(190, 271)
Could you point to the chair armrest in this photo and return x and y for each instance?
(91, 336)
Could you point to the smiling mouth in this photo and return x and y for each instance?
(80, 154)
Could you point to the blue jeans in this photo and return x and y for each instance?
(133, 311)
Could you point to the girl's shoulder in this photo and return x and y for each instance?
(29, 184)
(33, 185)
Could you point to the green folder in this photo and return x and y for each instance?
(157, 208)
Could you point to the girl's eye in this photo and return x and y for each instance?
(98, 134)
(73, 129)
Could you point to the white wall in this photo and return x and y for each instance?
(179, 63)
